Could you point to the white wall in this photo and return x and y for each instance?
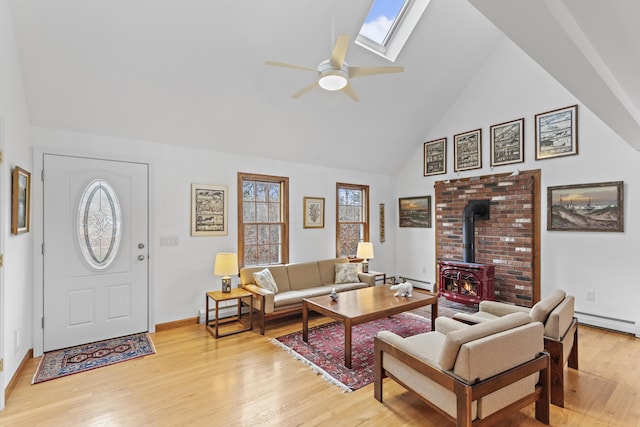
(15, 298)
(182, 274)
(509, 85)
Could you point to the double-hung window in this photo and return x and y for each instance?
(352, 218)
(263, 219)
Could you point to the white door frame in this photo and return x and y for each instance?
(37, 224)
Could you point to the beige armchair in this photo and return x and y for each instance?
(556, 312)
(471, 374)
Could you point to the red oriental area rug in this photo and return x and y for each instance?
(72, 360)
(324, 352)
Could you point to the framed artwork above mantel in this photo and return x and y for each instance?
(467, 150)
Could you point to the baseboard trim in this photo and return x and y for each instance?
(176, 324)
(14, 380)
(618, 325)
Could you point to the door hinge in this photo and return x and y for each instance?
(1, 160)
(1, 365)
(42, 322)
(42, 175)
(42, 250)
(1, 260)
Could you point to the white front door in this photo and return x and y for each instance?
(95, 250)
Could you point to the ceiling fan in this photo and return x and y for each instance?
(334, 73)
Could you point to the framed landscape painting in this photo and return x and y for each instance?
(586, 207)
(557, 133)
(506, 141)
(314, 212)
(415, 212)
(208, 210)
(435, 157)
(467, 148)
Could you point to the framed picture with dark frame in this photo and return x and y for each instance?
(586, 207)
(314, 212)
(415, 211)
(557, 133)
(506, 141)
(209, 210)
(467, 150)
(435, 157)
(20, 201)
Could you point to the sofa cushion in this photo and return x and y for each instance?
(304, 275)
(455, 339)
(347, 273)
(265, 280)
(327, 269)
(279, 273)
(541, 310)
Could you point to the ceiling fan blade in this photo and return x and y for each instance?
(284, 64)
(304, 90)
(370, 71)
(340, 50)
(348, 89)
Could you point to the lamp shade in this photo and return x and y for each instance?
(226, 264)
(365, 250)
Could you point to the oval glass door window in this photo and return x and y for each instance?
(99, 226)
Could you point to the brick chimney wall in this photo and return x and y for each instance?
(506, 240)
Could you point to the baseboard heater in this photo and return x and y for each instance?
(620, 325)
(227, 311)
(427, 286)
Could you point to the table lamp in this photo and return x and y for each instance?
(226, 264)
(365, 251)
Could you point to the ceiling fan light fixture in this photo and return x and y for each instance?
(332, 80)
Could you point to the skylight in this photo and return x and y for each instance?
(389, 24)
(381, 17)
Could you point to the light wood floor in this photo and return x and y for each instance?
(244, 380)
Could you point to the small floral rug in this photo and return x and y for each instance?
(324, 351)
(72, 360)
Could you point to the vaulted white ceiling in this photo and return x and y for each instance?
(192, 73)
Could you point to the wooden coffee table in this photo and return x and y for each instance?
(361, 306)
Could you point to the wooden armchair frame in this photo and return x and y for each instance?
(555, 348)
(467, 393)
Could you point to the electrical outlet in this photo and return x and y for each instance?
(424, 270)
(17, 339)
(591, 296)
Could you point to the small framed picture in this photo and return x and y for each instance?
(557, 133)
(435, 157)
(586, 207)
(314, 212)
(209, 210)
(507, 142)
(415, 211)
(467, 149)
(20, 201)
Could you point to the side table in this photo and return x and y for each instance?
(218, 297)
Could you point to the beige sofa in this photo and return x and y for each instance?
(295, 282)
(556, 313)
(472, 374)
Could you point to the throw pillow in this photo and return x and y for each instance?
(347, 272)
(265, 280)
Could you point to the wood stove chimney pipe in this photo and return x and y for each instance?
(474, 209)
